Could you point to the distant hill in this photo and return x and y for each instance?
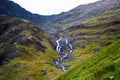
(12, 9)
(81, 14)
(54, 23)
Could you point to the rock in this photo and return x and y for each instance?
(105, 44)
(81, 33)
(82, 46)
(25, 78)
(16, 72)
(3, 27)
(16, 65)
(111, 77)
(96, 50)
(97, 37)
(44, 71)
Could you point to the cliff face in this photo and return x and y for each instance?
(24, 50)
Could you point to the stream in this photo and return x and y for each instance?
(64, 49)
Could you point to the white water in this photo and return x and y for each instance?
(58, 45)
(63, 54)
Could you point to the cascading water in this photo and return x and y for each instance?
(58, 45)
(61, 44)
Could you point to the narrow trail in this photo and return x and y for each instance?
(64, 49)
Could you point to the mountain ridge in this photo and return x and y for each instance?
(13, 10)
(80, 14)
(54, 23)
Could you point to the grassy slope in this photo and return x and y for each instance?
(87, 37)
(99, 34)
(31, 62)
(101, 67)
(98, 26)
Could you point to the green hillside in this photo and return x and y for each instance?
(96, 43)
(25, 53)
(104, 66)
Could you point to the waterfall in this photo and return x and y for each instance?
(60, 49)
(58, 45)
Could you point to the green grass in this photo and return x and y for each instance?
(79, 57)
(100, 67)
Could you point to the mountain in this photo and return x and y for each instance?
(54, 23)
(25, 52)
(80, 14)
(92, 29)
(12, 9)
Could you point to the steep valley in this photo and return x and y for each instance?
(27, 52)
